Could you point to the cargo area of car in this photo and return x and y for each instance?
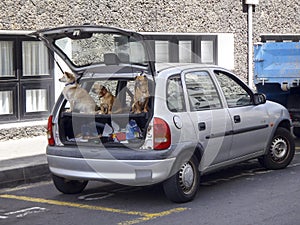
(124, 127)
(79, 128)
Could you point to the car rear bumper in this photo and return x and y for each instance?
(127, 172)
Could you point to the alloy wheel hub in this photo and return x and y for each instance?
(279, 149)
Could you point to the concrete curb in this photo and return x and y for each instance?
(23, 170)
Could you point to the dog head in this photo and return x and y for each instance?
(100, 89)
(141, 83)
(68, 78)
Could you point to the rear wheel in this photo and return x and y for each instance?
(281, 150)
(67, 186)
(183, 186)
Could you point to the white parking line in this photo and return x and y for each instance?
(96, 196)
(23, 212)
(25, 186)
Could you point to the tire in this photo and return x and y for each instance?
(183, 185)
(68, 186)
(281, 150)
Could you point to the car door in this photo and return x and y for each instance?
(210, 119)
(249, 121)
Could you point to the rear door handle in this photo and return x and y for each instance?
(237, 119)
(201, 126)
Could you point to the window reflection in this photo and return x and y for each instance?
(6, 59)
(36, 100)
(6, 102)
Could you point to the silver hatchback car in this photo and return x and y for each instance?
(197, 118)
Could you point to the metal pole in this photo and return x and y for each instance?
(250, 44)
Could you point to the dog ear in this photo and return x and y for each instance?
(68, 74)
(103, 88)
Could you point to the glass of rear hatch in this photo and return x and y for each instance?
(90, 48)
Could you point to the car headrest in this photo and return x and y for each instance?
(111, 59)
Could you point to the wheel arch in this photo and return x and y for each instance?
(284, 124)
(186, 154)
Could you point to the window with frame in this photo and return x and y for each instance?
(184, 48)
(201, 91)
(26, 79)
(236, 95)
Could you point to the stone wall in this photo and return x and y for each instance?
(272, 16)
(22, 132)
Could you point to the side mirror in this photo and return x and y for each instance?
(259, 99)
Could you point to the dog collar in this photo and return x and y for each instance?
(70, 83)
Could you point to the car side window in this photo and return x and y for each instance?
(175, 97)
(201, 91)
(236, 95)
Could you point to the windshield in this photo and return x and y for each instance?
(98, 48)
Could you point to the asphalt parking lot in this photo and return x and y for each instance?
(243, 194)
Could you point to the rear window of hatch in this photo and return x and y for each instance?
(100, 47)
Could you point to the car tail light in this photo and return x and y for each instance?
(162, 134)
(50, 131)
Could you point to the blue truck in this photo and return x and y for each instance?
(277, 72)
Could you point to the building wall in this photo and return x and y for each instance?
(201, 16)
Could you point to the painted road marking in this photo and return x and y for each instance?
(25, 187)
(96, 196)
(106, 194)
(249, 173)
(143, 216)
(23, 212)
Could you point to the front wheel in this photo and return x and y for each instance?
(67, 186)
(183, 186)
(281, 150)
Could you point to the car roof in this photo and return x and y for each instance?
(160, 67)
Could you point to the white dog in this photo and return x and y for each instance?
(80, 100)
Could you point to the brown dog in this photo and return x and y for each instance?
(79, 98)
(108, 102)
(141, 95)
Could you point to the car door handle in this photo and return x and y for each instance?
(237, 119)
(201, 126)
